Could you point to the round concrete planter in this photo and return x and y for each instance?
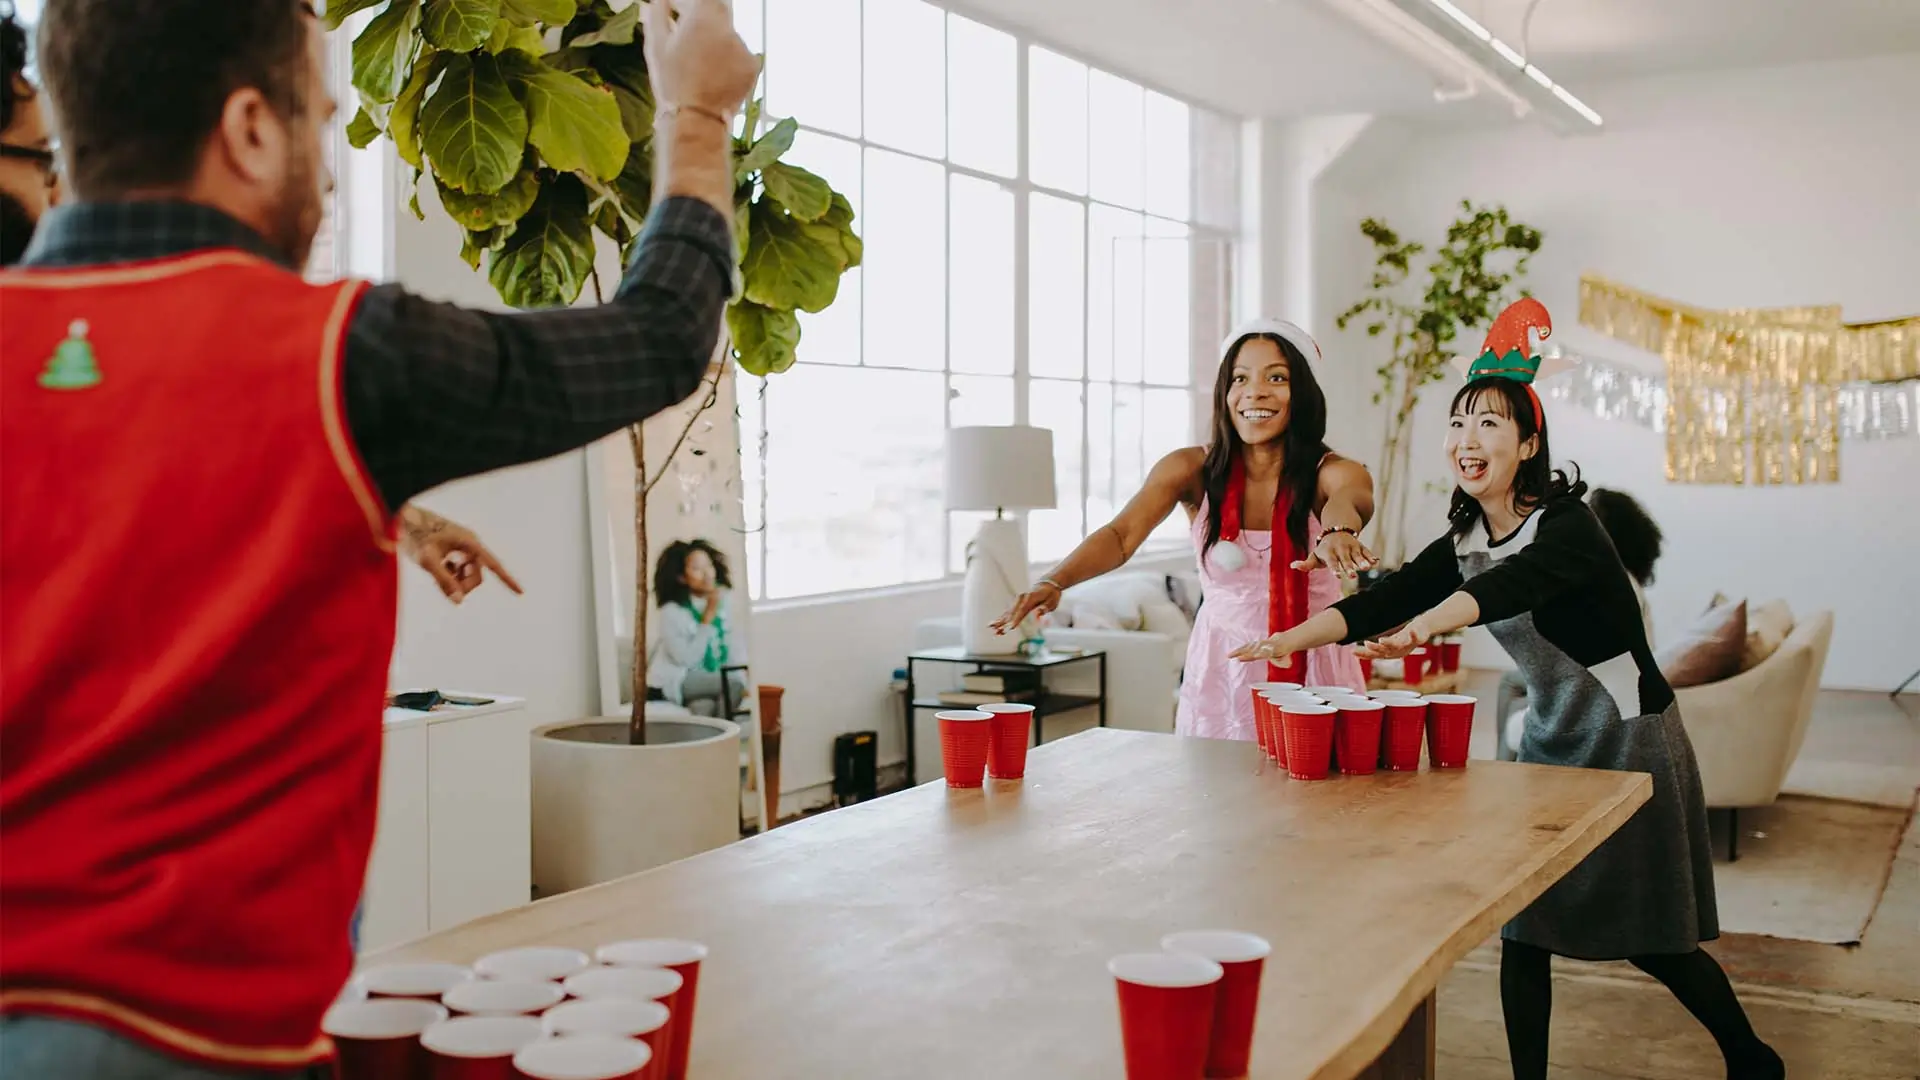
(603, 809)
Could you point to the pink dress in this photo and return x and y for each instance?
(1216, 699)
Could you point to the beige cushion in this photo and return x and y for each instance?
(1767, 626)
(1709, 650)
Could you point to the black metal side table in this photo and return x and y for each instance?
(1050, 703)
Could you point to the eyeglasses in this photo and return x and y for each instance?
(40, 156)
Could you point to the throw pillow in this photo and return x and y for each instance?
(1709, 650)
(1767, 626)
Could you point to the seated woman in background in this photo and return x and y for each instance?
(691, 643)
(1637, 539)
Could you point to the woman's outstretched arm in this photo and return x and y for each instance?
(1401, 595)
(1346, 505)
(1172, 480)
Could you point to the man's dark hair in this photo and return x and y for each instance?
(13, 66)
(137, 86)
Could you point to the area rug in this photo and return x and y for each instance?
(1810, 869)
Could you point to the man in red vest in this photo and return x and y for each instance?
(202, 452)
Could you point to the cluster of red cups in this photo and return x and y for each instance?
(987, 741)
(1312, 731)
(1441, 656)
(1188, 1011)
(538, 1013)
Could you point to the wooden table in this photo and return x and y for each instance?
(966, 934)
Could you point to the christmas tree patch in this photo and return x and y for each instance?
(72, 366)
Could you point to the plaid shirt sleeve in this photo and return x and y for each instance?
(435, 392)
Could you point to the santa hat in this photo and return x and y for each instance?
(1280, 328)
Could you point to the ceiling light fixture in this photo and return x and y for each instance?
(1460, 23)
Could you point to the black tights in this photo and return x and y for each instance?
(1526, 999)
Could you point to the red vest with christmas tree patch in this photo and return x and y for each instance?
(197, 593)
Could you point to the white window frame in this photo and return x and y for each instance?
(1203, 237)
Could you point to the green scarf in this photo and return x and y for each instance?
(716, 657)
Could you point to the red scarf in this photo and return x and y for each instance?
(1286, 587)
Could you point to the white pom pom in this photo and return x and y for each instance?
(1227, 557)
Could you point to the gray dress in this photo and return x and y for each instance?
(1556, 598)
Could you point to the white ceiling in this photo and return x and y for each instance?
(1300, 57)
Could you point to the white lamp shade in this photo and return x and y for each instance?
(1000, 468)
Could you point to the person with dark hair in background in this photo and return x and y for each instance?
(29, 182)
(694, 641)
(1526, 556)
(1636, 539)
(1275, 518)
(203, 452)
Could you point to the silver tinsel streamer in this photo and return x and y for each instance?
(1868, 411)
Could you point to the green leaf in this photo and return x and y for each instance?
(526, 39)
(622, 65)
(403, 123)
(767, 150)
(545, 262)
(804, 195)
(338, 11)
(529, 12)
(636, 113)
(609, 221)
(791, 263)
(618, 30)
(634, 185)
(380, 52)
(765, 341)
(475, 244)
(503, 207)
(362, 130)
(840, 216)
(473, 128)
(459, 25)
(573, 125)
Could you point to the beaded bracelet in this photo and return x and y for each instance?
(697, 110)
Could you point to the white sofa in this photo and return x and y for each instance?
(1747, 729)
(1143, 661)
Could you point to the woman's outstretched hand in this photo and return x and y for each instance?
(1341, 552)
(1395, 645)
(1038, 600)
(1264, 649)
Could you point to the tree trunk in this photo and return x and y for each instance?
(642, 588)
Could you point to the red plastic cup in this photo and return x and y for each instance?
(1007, 738)
(1401, 731)
(502, 997)
(427, 981)
(1241, 957)
(1262, 726)
(1449, 656)
(654, 986)
(1308, 731)
(1416, 666)
(379, 1039)
(1325, 693)
(965, 735)
(1449, 729)
(646, 1021)
(681, 957)
(477, 1047)
(535, 963)
(1166, 1013)
(1356, 735)
(584, 1057)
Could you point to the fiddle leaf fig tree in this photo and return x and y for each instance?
(532, 120)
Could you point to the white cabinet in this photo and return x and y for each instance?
(454, 838)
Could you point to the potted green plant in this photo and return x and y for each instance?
(1464, 285)
(531, 122)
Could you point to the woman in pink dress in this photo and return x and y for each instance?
(1275, 517)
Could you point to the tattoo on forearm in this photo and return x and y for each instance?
(420, 524)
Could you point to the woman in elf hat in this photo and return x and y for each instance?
(1526, 557)
(1275, 517)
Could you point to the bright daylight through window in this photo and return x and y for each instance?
(1073, 297)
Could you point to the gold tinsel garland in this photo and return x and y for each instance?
(1753, 394)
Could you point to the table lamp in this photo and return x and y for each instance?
(998, 469)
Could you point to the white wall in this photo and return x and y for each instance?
(539, 646)
(1753, 188)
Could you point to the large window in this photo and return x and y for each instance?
(1046, 243)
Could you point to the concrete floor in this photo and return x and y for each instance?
(1833, 1013)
